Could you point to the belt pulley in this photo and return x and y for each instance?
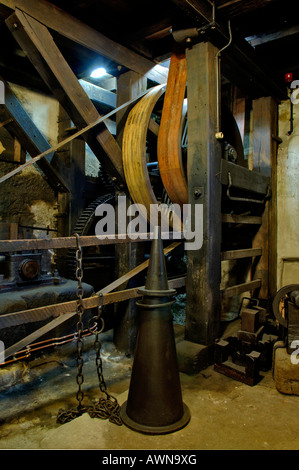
(171, 140)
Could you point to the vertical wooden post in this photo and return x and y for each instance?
(73, 155)
(265, 127)
(203, 306)
(127, 256)
(70, 205)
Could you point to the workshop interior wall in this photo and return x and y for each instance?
(27, 198)
(288, 197)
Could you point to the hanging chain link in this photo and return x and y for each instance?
(105, 408)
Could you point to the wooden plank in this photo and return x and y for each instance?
(244, 178)
(37, 42)
(241, 288)
(20, 125)
(43, 313)
(264, 38)
(265, 125)
(204, 158)
(30, 244)
(74, 154)
(238, 254)
(66, 316)
(66, 25)
(127, 294)
(99, 95)
(241, 219)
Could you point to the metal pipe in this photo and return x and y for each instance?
(219, 134)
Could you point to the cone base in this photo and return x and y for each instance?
(144, 429)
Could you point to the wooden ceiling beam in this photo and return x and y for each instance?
(72, 28)
(239, 49)
(265, 38)
(35, 39)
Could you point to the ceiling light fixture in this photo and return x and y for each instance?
(98, 73)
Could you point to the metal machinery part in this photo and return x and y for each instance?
(171, 143)
(279, 303)
(85, 226)
(286, 310)
(154, 404)
(24, 270)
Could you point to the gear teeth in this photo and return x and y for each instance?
(82, 227)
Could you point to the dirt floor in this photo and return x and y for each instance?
(225, 414)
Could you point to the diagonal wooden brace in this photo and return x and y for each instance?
(37, 42)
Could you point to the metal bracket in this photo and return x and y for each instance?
(243, 199)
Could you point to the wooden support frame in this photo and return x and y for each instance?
(72, 28)
(204, 158)
(67, 310)
(20, 125)
(30, 244)
(37, 42)
(265, 129)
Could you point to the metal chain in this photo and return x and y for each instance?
(106, 408)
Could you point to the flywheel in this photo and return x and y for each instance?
(170, 156)
(171, 140)
(135, 157)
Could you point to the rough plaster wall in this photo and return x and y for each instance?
(288, 198)
(92, 164)
(27, 198)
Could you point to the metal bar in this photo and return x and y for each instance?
(36, 334)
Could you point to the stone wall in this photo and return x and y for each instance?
(27, 198)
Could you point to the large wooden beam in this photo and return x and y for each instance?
(37, 42)
(204, 187)
(264, 132)
(72, 28)
(23, 128)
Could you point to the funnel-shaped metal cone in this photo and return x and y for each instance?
(154, 404)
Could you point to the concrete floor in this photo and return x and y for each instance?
(225, 414)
